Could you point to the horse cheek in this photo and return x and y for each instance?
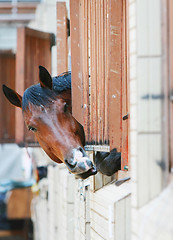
(48, 150)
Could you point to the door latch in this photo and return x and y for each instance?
(125, 117)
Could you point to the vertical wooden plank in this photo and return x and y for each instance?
(61, 38)
(75, 61)
(100, 72)
(98, 69)
(128, 218)
(87, 213)
(93, 57)
(106, 179)
(106, 68)
(7, 111)
(83, 28)
(115, 74)
(120, 220)
(29, 75)
(20, 81)
(102, 57)
(11, 63)
(98, 181)
(86, 102)
(125, 104)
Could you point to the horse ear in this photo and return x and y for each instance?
(12, 96)
(45, 78)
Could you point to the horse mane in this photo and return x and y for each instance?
(37, 95)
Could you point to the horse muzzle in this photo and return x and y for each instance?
(79, 163)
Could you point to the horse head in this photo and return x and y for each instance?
(46, 110)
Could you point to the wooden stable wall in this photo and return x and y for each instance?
(99, 72)
(70, 210)
(33, 49)
(7, 111)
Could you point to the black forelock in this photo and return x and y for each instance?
(37, 95)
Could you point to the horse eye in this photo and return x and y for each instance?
(30, 128)
(65, 107)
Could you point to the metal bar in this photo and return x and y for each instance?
(101, 148)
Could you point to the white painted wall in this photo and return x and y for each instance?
(110, 212)
(8, 36)
(149, 221)
(145, 100)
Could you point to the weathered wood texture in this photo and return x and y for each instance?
(125, 88)
(33, 49)
(7, 111)
(99, 71)
(76, 61)
(61, 38)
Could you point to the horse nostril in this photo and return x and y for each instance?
(80, 149)
(70, 165)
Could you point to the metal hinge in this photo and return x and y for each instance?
(125, 117)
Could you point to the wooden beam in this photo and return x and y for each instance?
(61, 38)
(76, 61)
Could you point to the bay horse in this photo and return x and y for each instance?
(47, 112)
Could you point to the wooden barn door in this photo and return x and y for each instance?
(33, 49)
(7, 111)
(99, 73)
